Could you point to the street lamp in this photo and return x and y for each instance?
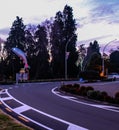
(103, 65)
(66, 56)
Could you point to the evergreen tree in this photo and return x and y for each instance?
(16, 38)
(30, 41)
(93, 57)
(41, 61)
(64, 38)
(30, 49)
(114, 61)
(57, 49)
(70, 39)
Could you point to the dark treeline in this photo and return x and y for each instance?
(44, 46)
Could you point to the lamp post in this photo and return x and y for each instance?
(66, 56)
(103, 64)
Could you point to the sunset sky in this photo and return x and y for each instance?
(96, 19)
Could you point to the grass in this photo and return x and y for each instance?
(9, 123)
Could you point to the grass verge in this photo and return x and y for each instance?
(9, 123)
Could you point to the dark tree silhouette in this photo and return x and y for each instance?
(70, 40)
(114, 61)
(57, 48)
(16, 38)
(63, 35)
(41, 63)
(93, 57)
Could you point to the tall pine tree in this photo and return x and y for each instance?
(41, 62)
(70, 38)
(64, 38)
(16, 38)
(57, 48)
(93, 57)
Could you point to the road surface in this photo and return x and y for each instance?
(44, 108)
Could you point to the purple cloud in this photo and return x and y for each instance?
(100, 10)
(107, 10)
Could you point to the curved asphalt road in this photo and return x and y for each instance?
(45, 109)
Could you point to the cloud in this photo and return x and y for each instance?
(94, 18)
(4, 33)
(98, 11)
(105, 10)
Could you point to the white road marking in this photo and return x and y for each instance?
(67, 97)
(21, 109)
(74, 127)
(6, 98)
(48, 128)
(105, 107)
(71, 126)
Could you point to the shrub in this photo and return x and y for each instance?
(94, 95)
(63, 87)
(117, 95)
(91, 94)
(82, 91)
(116, 98)
(109, 99)
(89, 75)
(104, 93)
(76, 85)
(100, 96)
(89, 88)
(66, 88)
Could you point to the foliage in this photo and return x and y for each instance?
(45, 46)
(89, 92)
(114, 62)
(57, 49)
(41, 65)
(8, 123)
(117, 97)
(97, 95)
(89, 75)
(63, 38)
(30, 41)
(16, 38)
(70, 40)
(93, 57)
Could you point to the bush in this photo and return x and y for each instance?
(104, 95)
(70, 88)
(66, 88)
(89, 75)
(116, 98)
(82, 91)
(117, 95)
(90, 93)
(89, 88)
(76, 86)
(110, 99)
(94, 95)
